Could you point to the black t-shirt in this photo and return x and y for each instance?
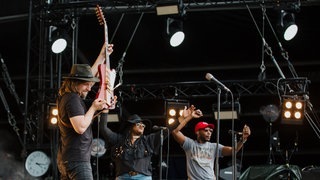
(72, 146)
(128, 157)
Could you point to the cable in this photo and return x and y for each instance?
(283, 52)
(168, 148)
(120, 64)
(117, 27)
(262, 74)
(267, 47)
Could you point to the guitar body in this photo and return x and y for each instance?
(106, 74)
(106, 86)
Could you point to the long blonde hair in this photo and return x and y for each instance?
(69, 85)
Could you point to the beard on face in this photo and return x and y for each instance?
(203, 138)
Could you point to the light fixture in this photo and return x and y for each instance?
(52, 116)
(57, 39)
(270, 113)
(226, 111)
(288, 27)
(167, 9)
(59, 45)
(293, 109)
(175, 32)
(173, 110)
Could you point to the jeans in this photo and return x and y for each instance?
(136, 177)
(75, 170)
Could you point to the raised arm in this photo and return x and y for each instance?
(110, 136)
(188, 114)
(227, 150)
(101, 58)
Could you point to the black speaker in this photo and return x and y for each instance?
(271, 172)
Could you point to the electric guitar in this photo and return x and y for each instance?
(106, 74)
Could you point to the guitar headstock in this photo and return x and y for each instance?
(100, 15)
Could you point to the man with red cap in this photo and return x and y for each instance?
(200, 153)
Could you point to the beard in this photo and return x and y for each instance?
(203, 139)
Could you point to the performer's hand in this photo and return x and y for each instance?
(197, 113)
(246, 132)
(99, 104)
(191, 112)
(109, 49)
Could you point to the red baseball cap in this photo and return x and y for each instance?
(203, 125)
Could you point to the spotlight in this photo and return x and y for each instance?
(293, 108)
(287, 25)
(174, 109)
(52, 115)
(59, 45)
(175, 31)
(57, 39)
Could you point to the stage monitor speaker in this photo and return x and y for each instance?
(271, 172)
(227, 173)
(310, 173)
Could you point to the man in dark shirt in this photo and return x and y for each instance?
(132, 151)
(75, 119)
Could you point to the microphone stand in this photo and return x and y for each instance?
(234, 142)
(161, 147)
(218, 134)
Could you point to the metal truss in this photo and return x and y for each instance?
(79, 8)
(196, 89)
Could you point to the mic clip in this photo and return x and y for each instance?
(156, 128)
(235, 132)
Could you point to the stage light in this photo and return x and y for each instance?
(293, 108)
(175, 31)
(59, 45)
(52, 115)
(288, 27)
(174, 109)
(57, 39)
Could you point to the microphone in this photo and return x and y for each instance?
(210, 77)
(235, 132)
(156, 128)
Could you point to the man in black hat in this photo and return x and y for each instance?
(75, 120)
(132, 151)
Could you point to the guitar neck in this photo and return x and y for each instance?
(107, 42)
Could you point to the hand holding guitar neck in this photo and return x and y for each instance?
(106, 74)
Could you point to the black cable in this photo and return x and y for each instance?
(117, 27)
(168, 154)
(268, 49)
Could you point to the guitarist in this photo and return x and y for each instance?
(75, 119)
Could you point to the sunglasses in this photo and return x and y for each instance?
(140, 124)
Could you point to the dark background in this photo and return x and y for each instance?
(222, 40)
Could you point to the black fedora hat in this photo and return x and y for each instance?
(133, 119)
(81, 72)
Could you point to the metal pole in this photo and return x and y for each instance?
(218, 135)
